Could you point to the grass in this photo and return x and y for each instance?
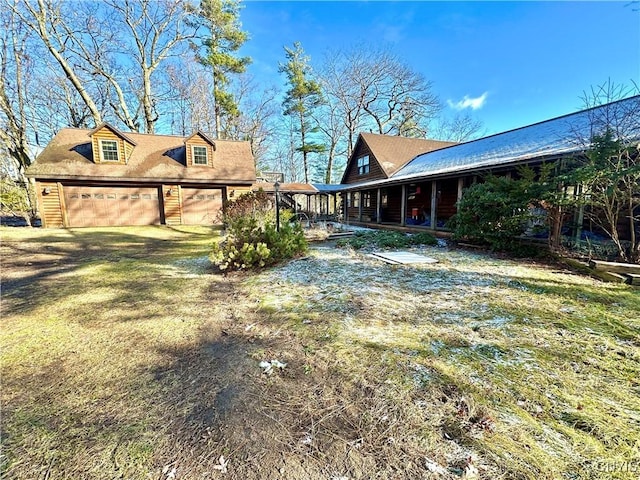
(124, 357)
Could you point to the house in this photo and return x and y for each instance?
(104, 177)
(424, 191)
(376, 158)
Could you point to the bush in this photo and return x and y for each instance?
(498, 211)
(386, 239)
(252, 239)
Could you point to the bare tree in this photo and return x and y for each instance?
(115, 47)
(257, 112)
(45, 19)
(375, 90)
(609, 173)
(13, 85)
(332, 125)
(460, 128)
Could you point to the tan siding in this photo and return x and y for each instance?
(235, 192)
(50, 205)
(128, 148)
(106, 134)
(200, 142)
(172, 205)
(375, 171)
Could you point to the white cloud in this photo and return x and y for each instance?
(472, 103)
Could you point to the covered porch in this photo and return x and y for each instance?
(425, 204)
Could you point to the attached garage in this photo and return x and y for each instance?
(201, 206)
(111, 206)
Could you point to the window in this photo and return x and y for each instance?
(356, 199)
(109, 151)
(363, 165)
(199, 155)
(366, 199)
(384, 200)
(349, 200)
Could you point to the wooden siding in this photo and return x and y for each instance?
(234, 192)
(172, 204)
(128, 149)
(375, 171)
(198, 141)
(106, 134)
(447, 198)
(392, 212)
(51, 207)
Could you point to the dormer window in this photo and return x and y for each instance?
(199, 155)
(363, 165)
(109, 151)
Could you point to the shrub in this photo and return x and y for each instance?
(386, 239)
(423, 238)
(252, 239)
(499, 210)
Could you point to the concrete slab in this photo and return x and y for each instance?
(402, 258)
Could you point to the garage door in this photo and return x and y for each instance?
(200, 206)
(111, 206)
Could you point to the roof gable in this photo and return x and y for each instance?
(113, 130)
(390, 152)
(203, 136)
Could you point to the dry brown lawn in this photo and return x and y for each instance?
(124, 356)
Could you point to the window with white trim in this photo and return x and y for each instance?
(109, 151)
(199, 155)
(356, 199)
(363, 165)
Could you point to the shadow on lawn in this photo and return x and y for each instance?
(30, 266)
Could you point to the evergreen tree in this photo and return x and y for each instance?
(221, 19)
(303, 96)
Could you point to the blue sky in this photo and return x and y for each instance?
(510, 63)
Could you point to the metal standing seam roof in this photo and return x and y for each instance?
(561, 136)
(551, 138)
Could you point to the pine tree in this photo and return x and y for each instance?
(303, 96)
(221, 19)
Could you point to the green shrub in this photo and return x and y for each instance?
(498, 211)
(252, 239)
(386, 239)
(423, 238)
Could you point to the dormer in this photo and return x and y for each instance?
(110, 146)
(199, 150)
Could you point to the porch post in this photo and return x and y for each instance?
(403, 206)
(346, 208)
(579, 215)
(359, 206)
(434, 206)
(379, 206)
(460, 185)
